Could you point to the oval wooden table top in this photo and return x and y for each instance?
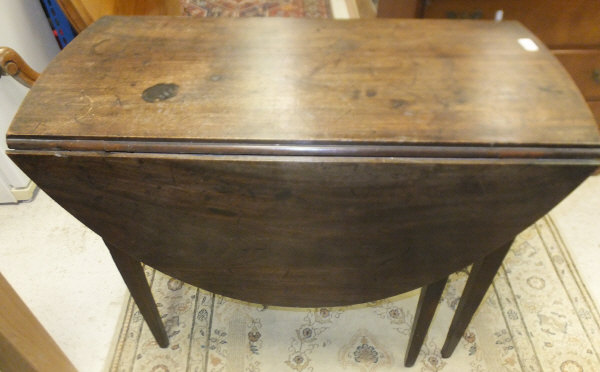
(137, 82)
(421, 146)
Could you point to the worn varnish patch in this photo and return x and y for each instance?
(160, 92)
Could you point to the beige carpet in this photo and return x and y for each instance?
(537, 316)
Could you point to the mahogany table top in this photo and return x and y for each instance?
(420, 147)
(253, 82)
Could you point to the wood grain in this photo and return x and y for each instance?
(82, 13)
(595, 107)
(301, 231)
(306, 81)
(12, 64)
(24, 343)
(566, 25)
(400, 8)
(79, 13)
(584, 67)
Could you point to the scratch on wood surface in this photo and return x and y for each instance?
(321, 66)
(173, 180)
(90, 104)
(343, 115)
(97, 45)
(317, 69)
(36, 127)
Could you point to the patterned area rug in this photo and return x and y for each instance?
(257, 8)
(537, 316)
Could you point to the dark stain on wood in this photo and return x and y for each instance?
(160, 92)
(283, 194)
(397, 103)
(222, 212)
(371, 92)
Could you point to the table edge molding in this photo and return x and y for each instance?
(314, 149)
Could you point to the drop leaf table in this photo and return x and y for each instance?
(301, 162)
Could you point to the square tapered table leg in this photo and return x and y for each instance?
(133, 274)
(481, 277)
(428, 302)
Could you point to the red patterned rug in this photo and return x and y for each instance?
(257, 8)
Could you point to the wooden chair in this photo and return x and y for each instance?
(12, 64)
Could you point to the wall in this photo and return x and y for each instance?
(23, 27)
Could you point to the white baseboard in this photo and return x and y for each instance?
(24, 193)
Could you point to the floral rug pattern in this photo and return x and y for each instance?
(537, 316)
(257, 8)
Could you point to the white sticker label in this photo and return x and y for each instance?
(499, 15)
(528, 44)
